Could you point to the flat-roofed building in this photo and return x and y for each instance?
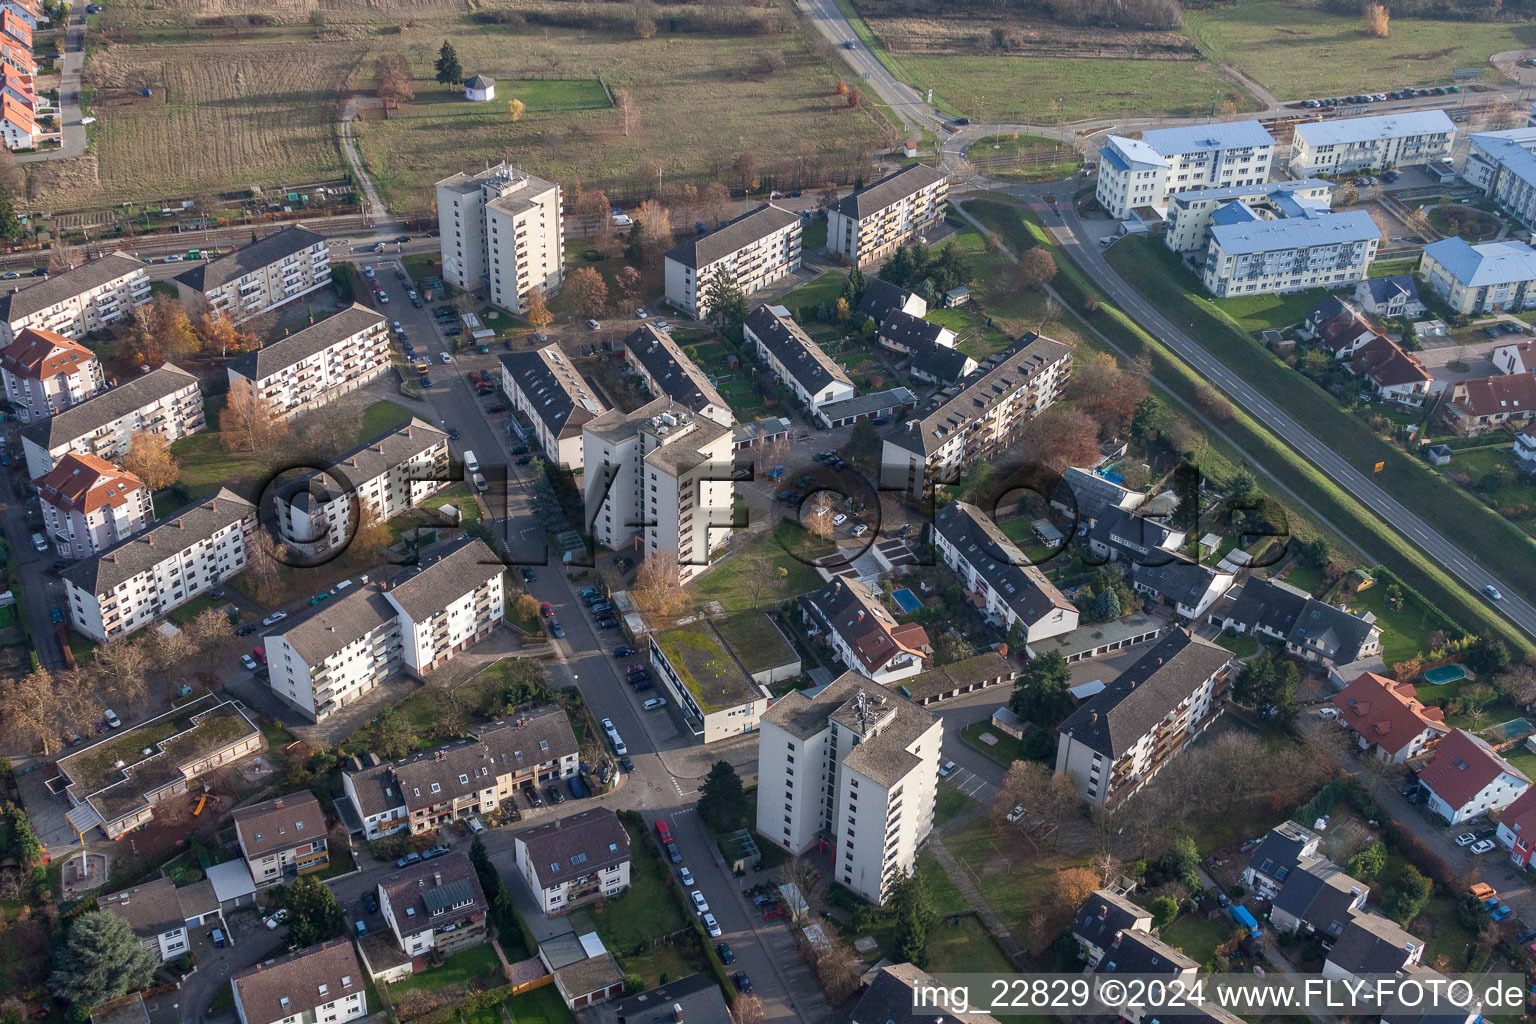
(317, 365)
(754, 250)
(1190, 213)
(869, 224)
(717, 695)
(88, 505)
(271, 272)
(164, 401)
(544, 386)
(44, 373)
(1142, 173)
(502, 229)
(1408, 138)
(93, 295)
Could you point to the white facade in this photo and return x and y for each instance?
(1145, 172)
(1268, 257)
(994, 569)
(809, 373)
(268, 273)
(87, 298)
(547, 388)
(88, 505)
(868, 226)
(574, 860)
(165, 401)
(317, 365)
(44, 373)
(332, 658)
(719, 698)
(1486, 278)
(502, 230)
(1190, 213)
(1406, 139)
(754, 250)
(433, 630)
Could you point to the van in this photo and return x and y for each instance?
(470, 462)
(479, 481)
(618, 743)
(662, 831)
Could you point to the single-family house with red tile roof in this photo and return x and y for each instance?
(1395, 375)
(1473, 406)
(852, 620)
(18, 128)
(1517, 828)
(1389, 720)
(1466, 779)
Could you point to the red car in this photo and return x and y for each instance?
(545, 610)
(662, 832)
(772, 911)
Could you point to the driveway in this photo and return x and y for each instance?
(252, 942)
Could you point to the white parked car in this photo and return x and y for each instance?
(175, 258)
(343, 585)
(685, 875)
(1482, 846)
(699, 903)
(640, 314)
(593, 325)
(1327, 712)
(87, 120)
(859, 530)
(277, 918)
(445, 357)
(478, 479)
(1466, 839)
(712, 926)
(840, 519)
(274, 618)
(112, 720)
(249, 662)
(1016, 813)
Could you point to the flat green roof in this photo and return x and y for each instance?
(704, 664)
(756, 641)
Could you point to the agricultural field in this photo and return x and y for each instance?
(1299, 51)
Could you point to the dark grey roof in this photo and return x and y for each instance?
(151, 909)
(1332, 306)
(892, 188)
(702, 250)
(448, 576)
(1320, 895)
(460, 769)
(94, 413)
(276, 356)
(1113, 720)
(1133, 534)
(1106, 913)
(576, 844)
(952, 408)
(176, 532)
(319, 632)
(1385, 289)
(1372, 944)
(999, 561)
(880, 298)
(1268, 604)
(261, 253)
(891, 996)
(876, 402)
(50, 292)
(801, 357)
(697, 994)
(480, 82)
(1140, 953)
(940, 362)
(1089, 495)
(561, 399)
(376, 457)
(908, 331)
(292, 985)
(678, 377)
(432, 888)
(1185, 582)
(1280, 851)
(1277, 607)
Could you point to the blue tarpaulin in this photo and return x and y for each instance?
(1243, 917)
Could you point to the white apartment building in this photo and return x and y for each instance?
(1408, 138)
(811, 375)
(87, 298)
(1503, 165)
(975, 417)
(667, 371)
(452, 603)
(1123, 736)
(269, 273)
(321, 363)
(717, 695)
(755, 250)
(858, 766)
(1144, 172)
(502, 229)
(1465, 779)
(868, 225)
(44, 373)
(1190, 213)
(1487, 278)
(88, 505)
(139, 580)
(850, 618)
(659, 478)
(1249, 255)
(324, 984)
(380, 479)
(574, 860)
(1011, 589)
(165, 401)
(335, 653)
(549, 390)
(435, 905)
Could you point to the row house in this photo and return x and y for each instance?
(18, 125)
(139, 580)
(547, 388)
(45, 373)
(754, 250)
(1493, 277)
(87, 298)
(851, 619)
(502, 229)
(267, 274)
(574, 860)
(20, 89)
(1517, 828)
(868, 225)
(322, 984)
(166, 401)
(1189, 588)
(29, 11)
(89, 505)
(1144, 172)
(317, 365)
(1387, 718)
(474, 776)
(1008, 587)
(1310, 629)
(1307, 891)
(1409, 138)
(283, 838)
(813, 377)
(976, 417)
(435, 907)
(1250, 255)
(1372, 947)
(667, 371)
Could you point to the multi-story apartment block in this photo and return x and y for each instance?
(425, 791)
(545, 387)
(265, 275)
(857, 764)
(1489, 278)
(811, 375)
(851, 619)
(1123, 736)
(1011, 589)
(89, 505)
(868, 226)
(45, 373)
(667, 371)
(502, 229)
(333, 654)
(659, 476)
(87, 298)
(165, 401)
(282, 838)
(141, 579)
(1190, 214)
(1144, 172)
(323, 984)
(435, 905)
(321, 363)
(452, 603)
(975, 417)
(1503, 166)
(754, 250)
(717, 695)
(117, 782)
(1248, 254)
(574, 860)
(1409, 138)
(392, 473)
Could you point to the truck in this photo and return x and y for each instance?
(1245, 919)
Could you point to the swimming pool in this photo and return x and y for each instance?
(906, 599)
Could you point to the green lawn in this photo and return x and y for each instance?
(1241, 644)
(949, 803)
(462, 968)
(1005, 751)
(645, 910)
(964, 948)
(803, 302)
(541, 1006)
(457, 495)
(1020, 156)
(652, 964)
(1270, 312)
(1404, 632)
(725, 584)
(973, 336)
(1392, 268)
(814, 237)
(195, 607)
(1298, 50)
(1196, 936)
(538, 95)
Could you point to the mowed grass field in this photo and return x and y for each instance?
(698, 104)
(1299, 51)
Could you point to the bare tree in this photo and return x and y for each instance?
(62, 256)
(624, 105)
(747, 1010)
(40, 709)
(801, 873)
(658, 588)
(249, 422)
(758, 574)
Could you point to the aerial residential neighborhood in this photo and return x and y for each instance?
(765, 513)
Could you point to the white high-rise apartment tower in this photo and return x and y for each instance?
(501, 229)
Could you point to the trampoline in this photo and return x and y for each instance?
(1445, 674)
(906, 599)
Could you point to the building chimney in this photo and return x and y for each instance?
(437, 878)
(677, 1013)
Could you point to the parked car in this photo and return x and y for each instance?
(675, 857)
(435, 851)
(1502, 911)
(654, 704)
(773, 910)
(527, 574)
(711, 926)
(624, 652)
(742, 982)
(1482, 890)
(1466, 839)
(217, 938)
(947, 769)
(723, 951)
(531, 794)
(1482, 846)
(274, 618)
(411, 858)
(370, 902)
(556, 630)
(249, 662)
(578, 790)
(554, 795)
(626, 764)
(276, 918)
(685, 875)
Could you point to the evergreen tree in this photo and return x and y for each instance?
(898, 269)
(914, 916)
(634, 245)
(726, 301)
(1107, 605)
(864, 440)
(102, 960)
(722, 798)
(313, 914)
(1040, 695)
(449, 70)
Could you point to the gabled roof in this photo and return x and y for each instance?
(1181, 581)
(444, 578)
(1135, 952)
(854, 611)
(18, 114)
(940, 362)
(1520, 817)
(1387, 365)
(891, 998)
(880, 298)
(85, 483)
(574, 845)
(37, 354)
(1385, 289)
(94, 413)
(1478, 266)
(320, 631)
(998, 560)
(276, 356)
(299, 983)
(1104, 914)
(889, 190)
(196, 522)
(1372, 944)
(1090, 494)
(23, 302)
(908, 331)
(1387, 713)
(1115, 719)
(1511, 393)
(151, 908)
(553, 387)
(1343, 331)
(276, 247)
(1282, 850)
(702, 250)
(279, 823)
(678, 376)
(431, 889)
(1462, 767)
(801, 357)
(1401, 124)
(1321, 895)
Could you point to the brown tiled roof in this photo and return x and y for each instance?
(85, 483)
(1342, 330)
(299, 982)
(1386, 712)
(38, 354)
(279, 823)
(432, 887)
(856, 614)
(575, 844)
(1463, 766)
(1513, 393)
(1387, 365)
